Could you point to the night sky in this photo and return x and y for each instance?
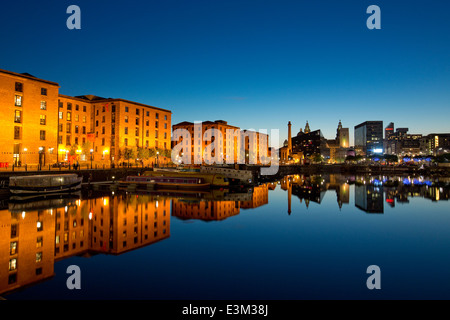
(255, 64)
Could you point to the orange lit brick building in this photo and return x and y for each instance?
(28, 117)
(108, 126)
(228, 145)
(42, 127)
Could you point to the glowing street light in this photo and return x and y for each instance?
(24, 156)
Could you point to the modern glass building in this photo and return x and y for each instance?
(369, 138)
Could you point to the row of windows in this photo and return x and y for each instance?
(66, 236)
(136, 132)
(18, 133)
(18, 117)
(69, 106)
(69, 116)
(13, 262)
(147, 123)
(18, 102)
(125, 142)
(19, 88)
(147, 113)
(68, 140)
(12, 278)
(14, 249)
(66, 247)
(69, 128)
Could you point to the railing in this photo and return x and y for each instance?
(5, 167)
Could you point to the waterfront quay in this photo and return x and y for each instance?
(89, 175)
(107, 174)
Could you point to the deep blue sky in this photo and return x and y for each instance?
(256, 64)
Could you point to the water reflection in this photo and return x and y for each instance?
(369, 191)
(36, 234)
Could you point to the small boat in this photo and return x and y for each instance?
(213, 179)
(172, 182)
(44, 184)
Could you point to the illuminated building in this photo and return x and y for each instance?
(112, 125)
(260, 197)
(36, 234)
(205, 210)
(227, 146)
(340, 145)
(28, 113)
(308, 143)
(44, 127)
(26, 247)
(369, 138)
(401, 143)
(435, 144)
(369, 197)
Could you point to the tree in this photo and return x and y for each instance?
(151, 152)
(129, 153)
(316, 158)
(143, 153)
(86, 148)
(73, 150)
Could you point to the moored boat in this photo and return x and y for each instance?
(213, 179)
(44, 184)
(169, 182)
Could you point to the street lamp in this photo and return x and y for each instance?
(92, 151)
(24, 156)
(157, 158)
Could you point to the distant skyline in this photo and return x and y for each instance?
(255, 64)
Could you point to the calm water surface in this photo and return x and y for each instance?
(304, 237)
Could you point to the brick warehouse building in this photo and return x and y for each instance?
(40, 126)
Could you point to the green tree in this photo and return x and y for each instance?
(316, 158)
(129, 153)
(73, 149)
(143, 153)
(86, 148)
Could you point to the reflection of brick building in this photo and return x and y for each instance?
(26, 248)
(260, 197)
(71, 230)
(31, 240)
(120, 225)
(205, 210)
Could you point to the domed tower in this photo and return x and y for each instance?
(307, 129)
